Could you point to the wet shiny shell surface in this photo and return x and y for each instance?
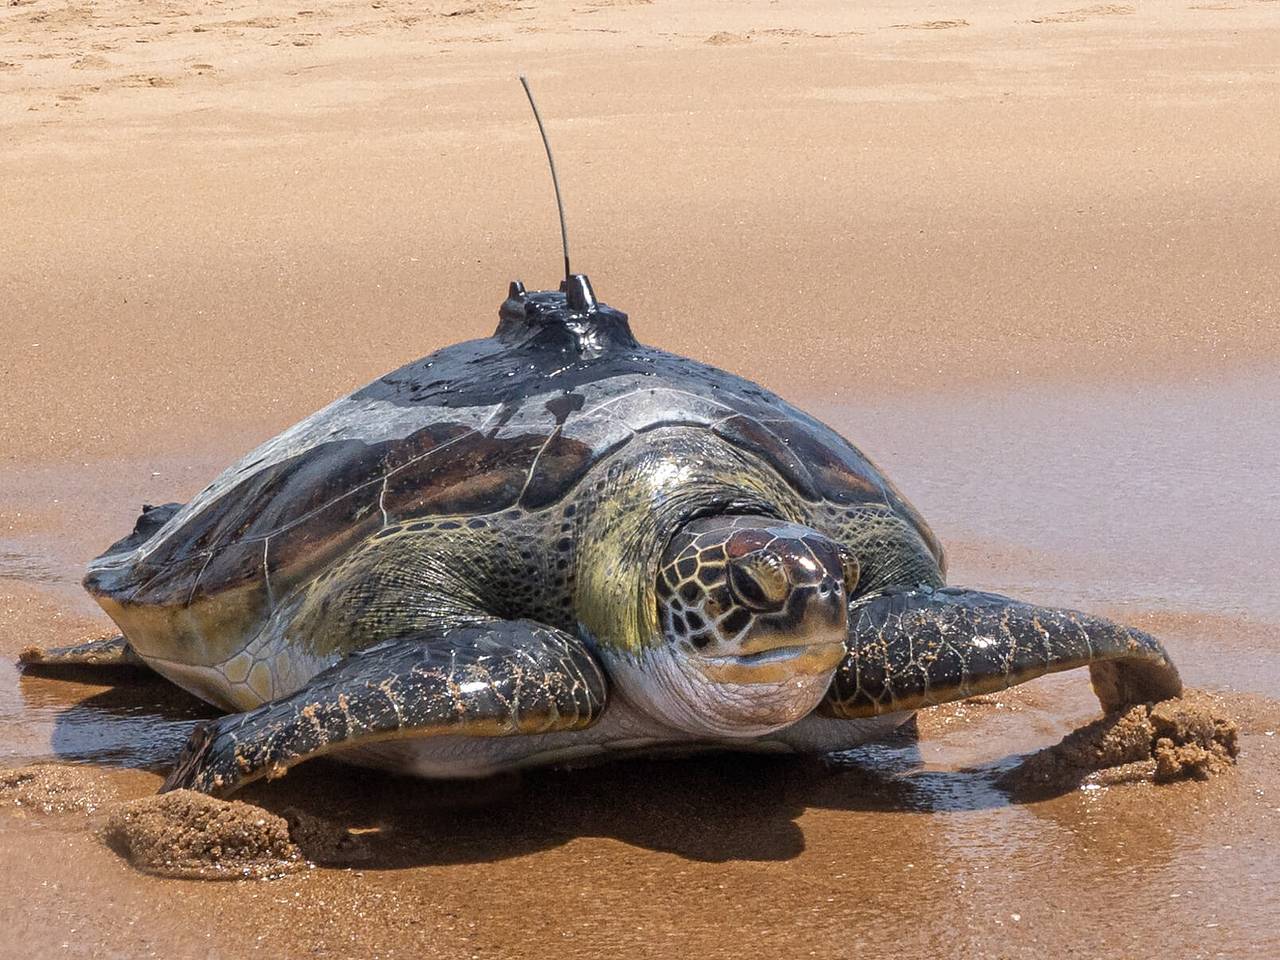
(510, 421)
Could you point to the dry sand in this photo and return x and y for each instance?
(216, 250)
(220, 216)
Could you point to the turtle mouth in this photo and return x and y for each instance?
(771, 655)
(775, 664)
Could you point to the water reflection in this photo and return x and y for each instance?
(19, 566)
(142, 722)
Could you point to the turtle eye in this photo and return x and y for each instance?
(852, 569)
(759, 581)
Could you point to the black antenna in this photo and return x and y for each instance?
(564, 233)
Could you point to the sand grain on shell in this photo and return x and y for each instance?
(188, 835)
(1172, 740)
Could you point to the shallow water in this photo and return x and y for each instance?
(1155, 504)
(1145, 495)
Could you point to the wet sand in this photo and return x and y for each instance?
(1025, 255)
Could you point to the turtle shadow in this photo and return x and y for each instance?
(715, 808)
(712, 807)
(140, 721)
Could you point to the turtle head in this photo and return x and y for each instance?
(753, 615)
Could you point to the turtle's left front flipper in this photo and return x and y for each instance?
(919, 648)
(492, 679)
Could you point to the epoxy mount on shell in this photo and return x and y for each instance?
(571, 318)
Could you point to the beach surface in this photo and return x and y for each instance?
(1026, 255)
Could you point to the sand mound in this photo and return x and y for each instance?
(189, 835)
(54, 788)
(1172, 740)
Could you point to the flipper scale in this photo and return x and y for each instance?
(492, 679)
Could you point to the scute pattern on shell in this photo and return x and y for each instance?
(477, 428)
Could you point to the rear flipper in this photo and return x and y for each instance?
(106, 653)
(919, 648)
(493, 679)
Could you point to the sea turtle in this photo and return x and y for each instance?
(556, 542)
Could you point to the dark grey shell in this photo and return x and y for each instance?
(513, 420)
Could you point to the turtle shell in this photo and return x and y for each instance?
(513, 420)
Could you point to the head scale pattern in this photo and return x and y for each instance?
(725, 580)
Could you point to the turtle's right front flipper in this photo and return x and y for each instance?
(918, 648)
(105, 653)
(492, 679)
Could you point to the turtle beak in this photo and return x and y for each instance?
(917, 648)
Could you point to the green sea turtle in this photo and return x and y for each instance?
(556, 542)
